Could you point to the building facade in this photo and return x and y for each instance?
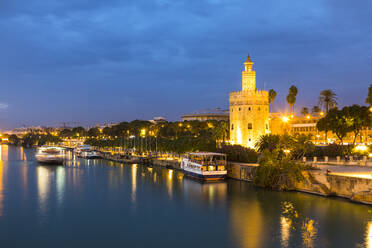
(207, 115)
(249, 110)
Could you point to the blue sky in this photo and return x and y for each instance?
(94, 61)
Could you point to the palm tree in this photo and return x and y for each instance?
(291, 98)
(369, 97)
(272, 96)
(327, 99)
(304, 111)
(267, 141)
(315, 110)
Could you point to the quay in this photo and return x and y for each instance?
(347, 179)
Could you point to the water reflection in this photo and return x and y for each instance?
(285, 229)
(227, 214)
(1, 188)
(369, 235)
(43, 186)
(134, 183)
(60, 184)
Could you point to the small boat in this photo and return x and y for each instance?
(207, 166)
(90, 154)
(50, 155)
(80, 149)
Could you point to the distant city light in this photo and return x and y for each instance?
(308, 117)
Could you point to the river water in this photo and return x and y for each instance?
(96, 203)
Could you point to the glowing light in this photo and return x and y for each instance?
(170, 174)
(321, 113)
(291, 116)
(370, 109)
(370, 155)
(239, 136)
(286, 151)
(285, 119)
(143, 132)
(308, 117)
(361, 148)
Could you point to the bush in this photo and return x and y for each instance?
(277, 172)
(237, 153)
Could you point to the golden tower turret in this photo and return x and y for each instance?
(248, 75)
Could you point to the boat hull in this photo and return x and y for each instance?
(50, 161)
(216, 177)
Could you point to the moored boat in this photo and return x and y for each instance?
(50, 155)
(90, 154)
(80, 149)
(207, 166)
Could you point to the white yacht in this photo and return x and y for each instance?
(80, 149)
(90, 154)
(204, 165)
(50, 155)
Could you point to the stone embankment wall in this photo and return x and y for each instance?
(171, 164)
(316, 182)
(241, 171)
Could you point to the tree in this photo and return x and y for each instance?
(304, 111)
(369, 97)
(13, 139)
(78, 131)
(272, 96)
(327, 100)
(357, 118)
(315, 110)
(221, 132)
(267, 142)
(291, 97)
(93, 132)
(335, 121)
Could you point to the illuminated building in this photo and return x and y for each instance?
(207, 115)
(249, 110)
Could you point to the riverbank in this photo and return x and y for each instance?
(350, 182)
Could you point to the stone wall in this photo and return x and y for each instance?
(316, 182)
(241, 171)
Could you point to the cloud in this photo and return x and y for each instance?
(3, 106)
(98, 51)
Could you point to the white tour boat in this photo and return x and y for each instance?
(204, 165)
(50, 155)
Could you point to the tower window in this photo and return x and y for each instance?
(239, 109)
(267, 126)
(249, 108)
(232, 126)
(249, 125)
(259, 108)
(232, 110)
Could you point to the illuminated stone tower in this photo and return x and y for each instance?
(249, 110)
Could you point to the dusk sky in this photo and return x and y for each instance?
(94, 61)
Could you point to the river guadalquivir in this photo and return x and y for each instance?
(97, 203)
